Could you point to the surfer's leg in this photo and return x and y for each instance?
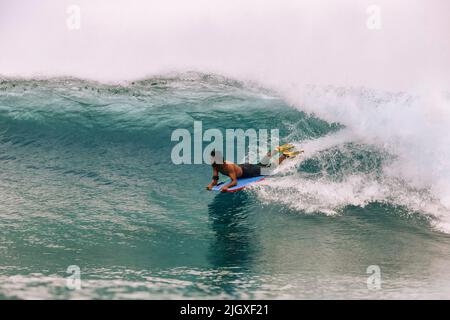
(265, 162)
(276, 162)
(280, 160)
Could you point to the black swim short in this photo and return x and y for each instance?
(250, 170)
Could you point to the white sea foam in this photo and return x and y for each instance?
(412, 129)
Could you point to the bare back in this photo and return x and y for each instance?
(228, 168)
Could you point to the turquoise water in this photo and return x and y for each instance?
(86, 179)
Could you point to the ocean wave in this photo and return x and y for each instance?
(361, 146)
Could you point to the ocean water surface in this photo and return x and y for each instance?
(87, 180)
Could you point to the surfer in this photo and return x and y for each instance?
(245, 170)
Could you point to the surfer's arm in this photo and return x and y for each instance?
(233, 182)
(214, 180)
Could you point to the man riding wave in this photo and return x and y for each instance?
(245, 170)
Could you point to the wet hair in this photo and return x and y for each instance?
(218, 157)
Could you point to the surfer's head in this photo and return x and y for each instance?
(216, 158)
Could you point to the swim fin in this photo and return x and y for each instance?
(292, 154)
(284, 147)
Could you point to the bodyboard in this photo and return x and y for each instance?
(242, 183)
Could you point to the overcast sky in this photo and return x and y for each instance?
(318, 41)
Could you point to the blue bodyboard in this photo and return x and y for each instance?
(242, 183)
